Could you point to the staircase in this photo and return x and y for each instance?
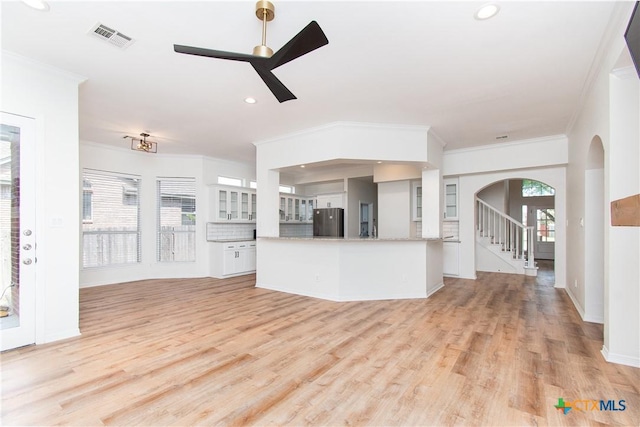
(503, 244)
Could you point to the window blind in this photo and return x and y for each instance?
(176, 236)
(110, 219)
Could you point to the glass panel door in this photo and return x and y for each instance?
(254, 208)
(233, 204)
(545, 233)
(17, 231)
(245, 206)
(222, 204)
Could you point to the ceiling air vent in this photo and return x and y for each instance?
(112, 36)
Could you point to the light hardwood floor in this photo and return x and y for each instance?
(500, 350)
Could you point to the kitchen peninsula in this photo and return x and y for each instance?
(351, 269)
(402, 262)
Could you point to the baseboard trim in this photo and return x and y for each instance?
(593, 319)
(578, 307)
(62, 335)
(620, 359)
(436, 289)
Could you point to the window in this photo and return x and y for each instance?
(536, 188)
(253, 184)
(176, 236)
(546, 225)
(87, 197)
(112, 235)
(225, 180)
(289, 189)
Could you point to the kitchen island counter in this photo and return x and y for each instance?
(358, 239)
(357, 269)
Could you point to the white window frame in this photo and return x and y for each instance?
(175, 243)
(102, 236)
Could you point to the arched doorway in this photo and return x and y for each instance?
(594, 227)
(528, 203)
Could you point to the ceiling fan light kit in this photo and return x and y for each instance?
(263, 59)
(143, 144)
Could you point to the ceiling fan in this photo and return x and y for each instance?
(263, 59)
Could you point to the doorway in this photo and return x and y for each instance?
(544, 221)
(17, 231)
(366, 220)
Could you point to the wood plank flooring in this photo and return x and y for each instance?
(500, 350)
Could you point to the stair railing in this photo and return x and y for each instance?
(501, 229)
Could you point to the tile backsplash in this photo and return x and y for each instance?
(449, 228)
(230, 231)
(296, 230)
(221, 231)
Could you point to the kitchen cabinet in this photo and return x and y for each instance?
(451, 199)
(416, 200)
(330, 200)
(234, 204)
(450, 258)
(296, 208)
(233, 258)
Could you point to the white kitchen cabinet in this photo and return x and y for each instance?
(451, 199)
(233, 258)
(416, 200)
(234, 204)
(450, 258)
(330, 200)
(296, 209)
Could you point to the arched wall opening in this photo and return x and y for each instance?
(594, 230)
(470, 185)
(521, 227)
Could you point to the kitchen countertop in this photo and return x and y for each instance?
(248, 239)
(356, 239)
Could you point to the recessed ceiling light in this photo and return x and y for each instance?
(250, 100)
(487, 11)
(301, 166)
(379, 162)
(37, 4)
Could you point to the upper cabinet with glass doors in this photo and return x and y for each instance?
(296, 209)
(451, 199)
(234, 204)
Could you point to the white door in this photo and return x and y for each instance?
(545, 223)
(17, 231)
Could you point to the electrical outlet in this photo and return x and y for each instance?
(317, 277)
(575, 283)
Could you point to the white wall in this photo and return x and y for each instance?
(149, 167)
(494, 195)
(50, 96)
(623, 344)
(394, 209)
(526, 154)
(611, 112)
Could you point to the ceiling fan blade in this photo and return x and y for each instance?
(210, 53)
(277, 88)
(310, 38)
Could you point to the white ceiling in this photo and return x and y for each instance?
(519, 74)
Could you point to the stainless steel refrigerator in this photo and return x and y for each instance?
(328, 222)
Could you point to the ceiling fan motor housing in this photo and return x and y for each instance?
(265, 6)
(265, 12)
